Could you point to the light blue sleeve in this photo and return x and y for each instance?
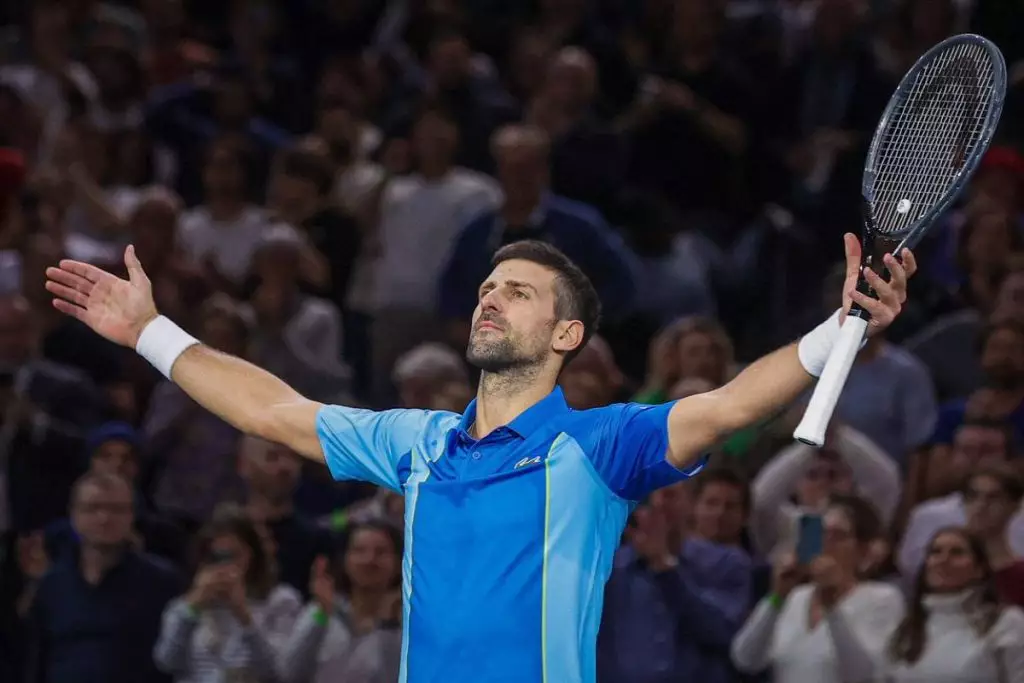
(370, 445)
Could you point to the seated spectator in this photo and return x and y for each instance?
(231, 622)
(992, 496)
(955, 628)
(784, 633)
(693, 347)
(1002, 362)
(96, 613)
(421, 372)
(593, 379)
(661, 622)
(802, 478)
(271, 474)
(350, 631)
(113, 448)
(295, 336)
(191, 450)
(977, 444)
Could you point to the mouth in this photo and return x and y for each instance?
(487, 325)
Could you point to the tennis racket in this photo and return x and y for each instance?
(931, 137)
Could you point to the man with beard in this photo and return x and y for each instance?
(514, 509)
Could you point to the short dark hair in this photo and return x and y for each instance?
(308, 165)
(229, 519)
(1005, 474)
(575, 296)
(864, 519)
(727, 476)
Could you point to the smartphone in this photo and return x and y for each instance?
(809, 538)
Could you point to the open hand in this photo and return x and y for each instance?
(889, 296)
(115, 309)
(321, 584)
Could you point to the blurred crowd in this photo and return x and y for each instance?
(318, 186)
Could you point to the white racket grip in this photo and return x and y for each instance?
(818, 414)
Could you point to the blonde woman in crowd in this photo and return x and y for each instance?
(955, 629)
(832, 629)
(350, 630)
(230, 624)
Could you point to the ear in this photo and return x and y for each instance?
(568, 335)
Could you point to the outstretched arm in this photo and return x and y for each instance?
(238, 392)
(771, 383)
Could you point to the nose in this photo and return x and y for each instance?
(491, 301)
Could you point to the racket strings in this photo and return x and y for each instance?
(930, 135)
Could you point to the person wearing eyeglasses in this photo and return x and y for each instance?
(992, 496)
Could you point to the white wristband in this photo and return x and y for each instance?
(815, 346)
(161, 342)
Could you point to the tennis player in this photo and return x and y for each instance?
(515, 508)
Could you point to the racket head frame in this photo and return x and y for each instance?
(909, 237)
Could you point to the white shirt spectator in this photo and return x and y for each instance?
(419, 222)
(214, 647)
(331, 652)
(846, 645)
(954, 652)
(931, 516)
(876, 478)
(231, 244)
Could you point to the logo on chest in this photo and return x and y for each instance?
(526, 462)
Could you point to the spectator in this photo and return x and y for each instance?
(295, 335)
(955, 627)
(530, 211)
(349, 631)
(191, 450)
(660, 623)
(849, 464)
(420, 373)
(992, 496)
(593, 379)
(721, 507)
(420, 216)
(113, 448)
(784, 635)
(1002, 396)
(222, 234)
(235, 615)
(271, 474)
(977, 444)
(83, 627)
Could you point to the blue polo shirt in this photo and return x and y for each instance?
(509, 539)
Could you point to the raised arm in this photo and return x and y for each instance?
(769, 384)
(238, 392)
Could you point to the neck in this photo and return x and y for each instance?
(367, 603)
(999, 554)
(434, 171)
(224, 208)
(264, 509)
(516, 213)
(96, 561)
(502, 397)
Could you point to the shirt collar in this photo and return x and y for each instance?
(530, 420)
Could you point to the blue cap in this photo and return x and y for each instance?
(111, 431)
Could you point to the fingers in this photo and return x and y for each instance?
(86, 271)
(852, 248)
(69, 279)
(70, 309)
(136, 274)
(69, 294)
(898, 278)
